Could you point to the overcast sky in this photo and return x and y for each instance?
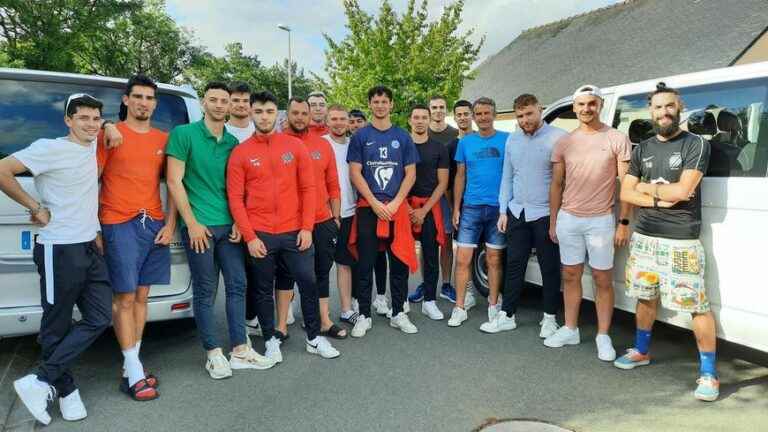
(254, 23)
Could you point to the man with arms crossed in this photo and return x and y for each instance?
(382, 163)
(666, 258)
(136, 231)
(479, 159)
(424, 200)
(524, 214)
(271, 192)
(581, 198)
(71, 267)
(197, 161)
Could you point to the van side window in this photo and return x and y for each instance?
(34, 109)
(732, 116)
(563, 118)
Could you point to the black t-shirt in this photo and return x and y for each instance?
(432, 156)
(452, 154)
(446, 137)
(654, 161)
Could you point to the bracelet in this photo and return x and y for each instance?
(36, 210)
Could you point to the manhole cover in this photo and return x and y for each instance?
(523, 426)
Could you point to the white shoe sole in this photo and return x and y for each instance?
(314, 350)
(544, 335)
(558, 344)
(456, 324)
(73, 419)
(42, 417)
(606, 358)
(240, 365)
(496, 330)
(218, 376)
(630, 366)
(433, 317)
(404, 330)
(359, 335)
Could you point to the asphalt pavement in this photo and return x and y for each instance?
(441, 379)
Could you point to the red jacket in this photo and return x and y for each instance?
(266, 187)
(403, 245)
(326, 177)
(317, 129)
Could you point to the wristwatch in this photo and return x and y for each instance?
(624, 221)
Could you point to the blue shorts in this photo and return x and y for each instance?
(478, 222)
(133, 258)
(447, 215)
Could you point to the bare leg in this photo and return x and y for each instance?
(604, 299)
(645, 313)
(344, 281)
(572, 293)
(140, 310)
(493, 260)
(123, 317)
(284, 298)
(463, 263)
(705, 331)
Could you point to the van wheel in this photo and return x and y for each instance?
(480, 272)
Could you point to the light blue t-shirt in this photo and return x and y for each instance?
(483, 158)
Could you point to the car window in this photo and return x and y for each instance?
(30, 110)
(732, 116)
(564, 118)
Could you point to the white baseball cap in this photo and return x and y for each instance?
(588, 90)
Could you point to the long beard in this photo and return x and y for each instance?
(668, 130)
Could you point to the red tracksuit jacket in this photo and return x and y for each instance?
(326, 177)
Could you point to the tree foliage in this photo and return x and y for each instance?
(415, 57)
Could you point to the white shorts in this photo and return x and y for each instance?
(581, 236)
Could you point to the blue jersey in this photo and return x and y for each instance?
(384, 156)
(483, 159)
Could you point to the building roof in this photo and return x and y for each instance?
(630, 41)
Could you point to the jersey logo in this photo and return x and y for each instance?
(382, 175)
(316, 155)
(395, 144)
(369, 143)
(675, 161)
(287, 158)
(256, 162)
(488, 153)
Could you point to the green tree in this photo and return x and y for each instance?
(408, 53)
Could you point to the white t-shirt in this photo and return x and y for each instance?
(348, 193)
(241, 134)
(67, 179)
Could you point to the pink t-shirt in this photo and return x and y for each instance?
(591, 169)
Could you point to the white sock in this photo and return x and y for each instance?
(133, 366)
(347, 314)
(138, 346)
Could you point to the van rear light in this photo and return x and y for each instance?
(179, 306)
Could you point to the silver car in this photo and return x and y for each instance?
(31, 107)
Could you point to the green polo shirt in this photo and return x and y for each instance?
(206, 167)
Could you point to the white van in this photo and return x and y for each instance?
(31, 107)
(729, 107)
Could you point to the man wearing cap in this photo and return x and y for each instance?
(581, 199)
(67, 254)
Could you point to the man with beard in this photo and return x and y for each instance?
(318, 106)
(271, 192)
(327, 219)
(666, 258)
(524, 214)
(198, 154)
(382, 160)
(424, 201)
(581, 199)
(135, 229)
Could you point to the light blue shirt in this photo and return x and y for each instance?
(527, 172)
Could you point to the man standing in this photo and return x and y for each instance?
(581, 198)
(239, 123)
(71, 267)
(271, 192)
(318, 106)
(135, 229)
(327, 214)
(382, 160)
(666, 258)
(424, 200)
(198, 154)
(479, 159)
(524, 214)
(445, 134)
(357, 121)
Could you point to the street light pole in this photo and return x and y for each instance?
(290, 59)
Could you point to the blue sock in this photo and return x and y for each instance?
(707, 363)
(642, 340)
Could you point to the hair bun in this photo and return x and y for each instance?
(661, 86)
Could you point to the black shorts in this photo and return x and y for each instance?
(342, 255)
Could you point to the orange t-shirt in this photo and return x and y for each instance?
(130, 180)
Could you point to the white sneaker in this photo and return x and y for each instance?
(323, 348)
(355, 306)
(499, 324)
(381, 306)
(407, 306)
(249, 359)
(605, 351)
(458, 316)
(563, 336)
(35, 395)
(272, 350)
(217, 365)
(402, 322)
(493, 311)
(430, 309)
(548, 326)
(469, 299)
(291, 319)
(72, 408)
(248, 338)
(362, 325)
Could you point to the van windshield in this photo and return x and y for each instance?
(30, 110)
